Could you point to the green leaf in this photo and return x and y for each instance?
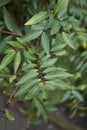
(28, 66)
(7, 59)
(59, 75)
(15, 44)
(61, 7)
(32, 74)
(8, 20)
(37, 18)
(35, 3)
(50, 69)
(45, 42)
(37, 27)
(58, 47)
(4, 2)
(17, 61)
(12, 78)
(48, 63)
(55, 27)
(41, 107)
(50, 87)
(9, 115)
(3, 43)
(67, 39)
(65, 96)
(59, 84)
(78, 95)
(27, 87)
(31, 36)
(9, 51)
(53, 69)
(60, 53)
(32, 92)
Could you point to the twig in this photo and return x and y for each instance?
(47, 6)
(12, 95)
(10, 33)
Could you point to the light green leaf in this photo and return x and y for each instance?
(50, 69)
(32, 92)
(58, 47)
(65, 96)
(9, 50)
(41, 107)
(59, 75)
(60, 53)
(32, 74)
(78, 95)
(45, 42)
(28, 66)
(15, 44)
(50, 87)
(12, 78)
(17, 61)
(7, 59)
(48, 63)
(9, 115)
(31, 36)
(37, 18)
(67, 39)
(27, 87)
(37, 27)
(61, 7)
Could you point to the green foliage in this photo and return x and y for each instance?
(9, 115)
(31, 45)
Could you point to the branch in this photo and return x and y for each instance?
(12, 95)
(10, 33)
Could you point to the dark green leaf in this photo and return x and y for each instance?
(8, 20)
(4, 2)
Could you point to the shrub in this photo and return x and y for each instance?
(36, 49)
